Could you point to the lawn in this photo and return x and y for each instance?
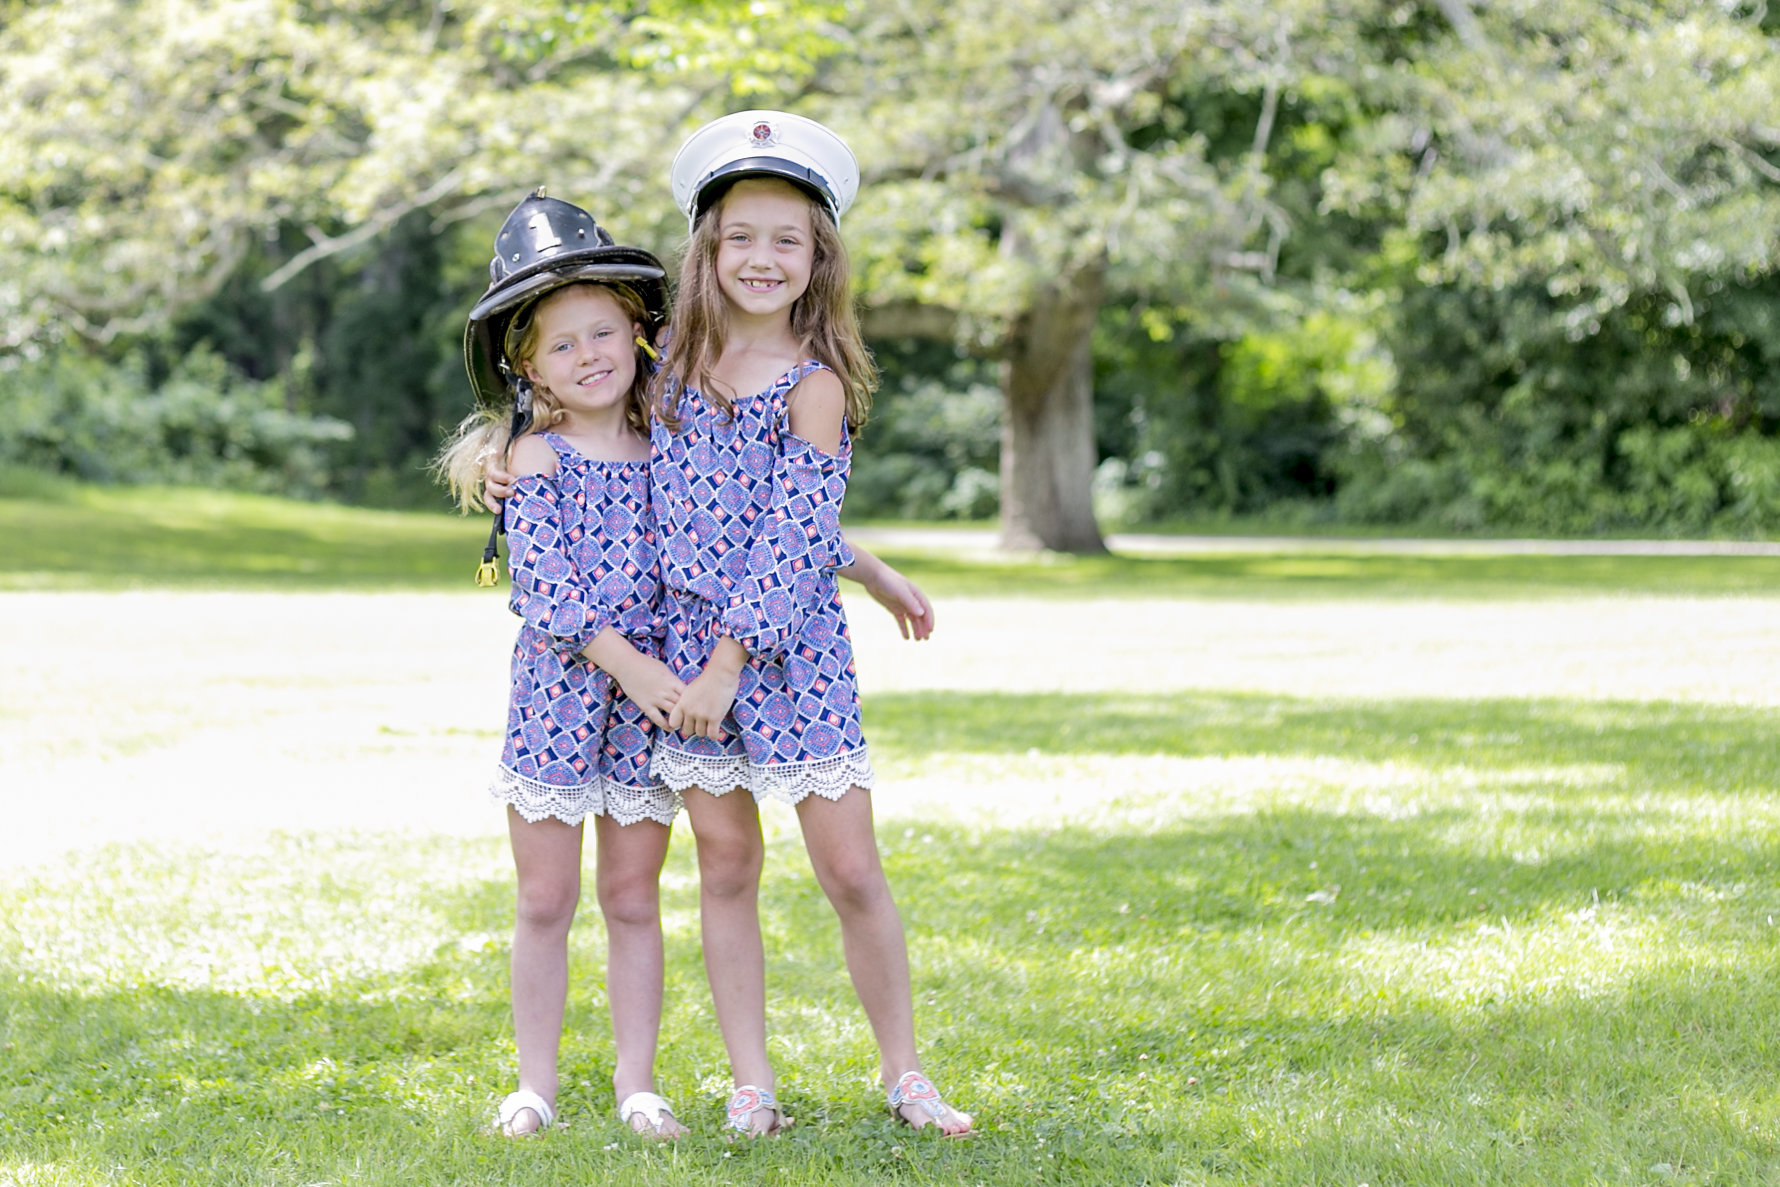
(1426, 870)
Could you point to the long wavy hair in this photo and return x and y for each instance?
(823, 319)
(484, 434)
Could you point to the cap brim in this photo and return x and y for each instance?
(718, 180)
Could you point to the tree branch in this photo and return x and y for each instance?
(1754, 159)
(906, 319)
(1464, 22)
(325, 246)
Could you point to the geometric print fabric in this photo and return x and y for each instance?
(749, 516)
(582, 557)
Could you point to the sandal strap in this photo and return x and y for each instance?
(746, 1101)
(649, 1104)
(915, 1089)
(521, 1100)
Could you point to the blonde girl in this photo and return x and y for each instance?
(556, 352)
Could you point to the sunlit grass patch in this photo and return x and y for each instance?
(71, 536)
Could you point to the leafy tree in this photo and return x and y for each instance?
(1025, 160)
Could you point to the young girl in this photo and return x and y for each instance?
(565, 321)
(764, 378)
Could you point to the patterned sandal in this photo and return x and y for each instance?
(747, 1101)
(653, 1109)
(917, 1090)
(517, 1103)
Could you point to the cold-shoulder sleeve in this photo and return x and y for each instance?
(549, 590)
(793, 557)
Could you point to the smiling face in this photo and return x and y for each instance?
(583, 355)
(765, 249)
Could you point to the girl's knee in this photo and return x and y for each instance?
(854, 881)
(730, 866)
(633, 901)
(548, 902)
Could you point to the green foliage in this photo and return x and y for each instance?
(1559, 218)
(1503, 420)
(203, 424)
(930, 449)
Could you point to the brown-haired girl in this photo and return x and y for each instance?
(763, 381)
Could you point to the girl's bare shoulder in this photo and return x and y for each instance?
(531, 454)
(816, 406)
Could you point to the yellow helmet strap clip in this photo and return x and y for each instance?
(486, 572)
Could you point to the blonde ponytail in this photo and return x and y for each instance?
(463, 464)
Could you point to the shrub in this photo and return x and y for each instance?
(204, 425)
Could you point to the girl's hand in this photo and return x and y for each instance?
(891, 590)
(497, 484)
(711, 695)
(644, 679)
(905, 601)
(652, 685)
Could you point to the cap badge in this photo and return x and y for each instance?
(544, 236)
(763, 135)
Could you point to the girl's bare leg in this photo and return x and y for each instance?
(844, 853)
(730, 856)
(547, 858)
(628, 882)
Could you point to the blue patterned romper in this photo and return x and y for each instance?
(582, 553)
(749, 515)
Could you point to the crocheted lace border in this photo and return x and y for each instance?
(787, 782)
(602, 797)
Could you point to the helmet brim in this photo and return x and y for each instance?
(485, 332)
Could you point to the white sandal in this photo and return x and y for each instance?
(915, 1089)
(653, 1109)
(749, 1100)
(517, 1103)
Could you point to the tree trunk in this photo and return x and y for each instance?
(1047, 418)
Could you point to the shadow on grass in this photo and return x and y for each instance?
(76, 536)
(1674, 746)
(108, 537)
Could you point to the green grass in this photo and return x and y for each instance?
(120, 537)
(1427, 942)
(128, 537)
(1168, 938)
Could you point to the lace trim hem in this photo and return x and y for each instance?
(789, 782)
(535, 801)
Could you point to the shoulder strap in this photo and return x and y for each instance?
(564, 451)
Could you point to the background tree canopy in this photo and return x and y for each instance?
(1506, 266)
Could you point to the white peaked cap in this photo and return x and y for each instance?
(764, 144)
